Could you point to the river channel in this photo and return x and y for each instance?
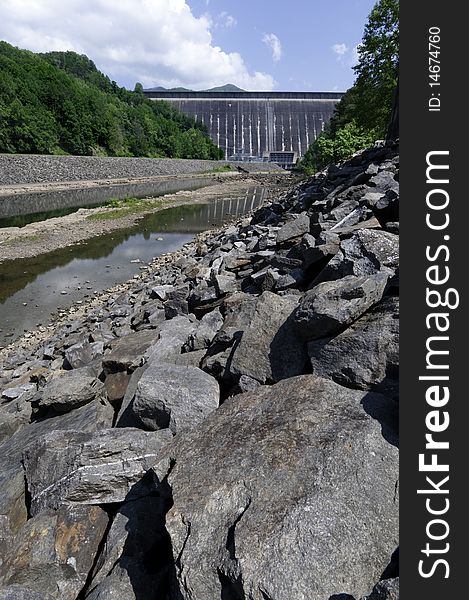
(33, 290)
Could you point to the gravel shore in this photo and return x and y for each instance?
(23, 168)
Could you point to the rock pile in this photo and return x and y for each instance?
(227, 427)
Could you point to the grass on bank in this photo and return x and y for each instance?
(116, 209)
(34, 237)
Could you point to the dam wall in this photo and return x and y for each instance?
(254, 124)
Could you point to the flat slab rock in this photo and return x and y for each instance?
(69, 391)
(288, 492)
(86, 468)
(127, 352)
(89, 418)
(332, 305)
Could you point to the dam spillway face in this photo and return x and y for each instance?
(254, 124)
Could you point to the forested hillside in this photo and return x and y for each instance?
(59, 103)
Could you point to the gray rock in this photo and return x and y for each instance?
(172, 335)
(368, 251)
(296, 227)
(126, 566)
(83, 353)
(267, 485)
(175, 307)
(54, 552)
(89, 468)
(258, 339)
(20, 592)
(319, 254)
(190, 359)
(206, 330)
(386, 208)
(332, 305)
(224, 283)
(366, 353)
(161, 291)
(128, 352)
(91, 417)
(383, 181)
(68, 391)
(14, 415)
(174, 396)
(15, 392)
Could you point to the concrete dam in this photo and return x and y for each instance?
(257, 125)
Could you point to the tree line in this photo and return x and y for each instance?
(60, 103)
(364, 112)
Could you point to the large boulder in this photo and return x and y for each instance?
(366, 354)
(127, 353)
(87, 468)
(258, 339)
(332, 305)
(288, 492)
(69, 391)
(366, 252)
(174, 396)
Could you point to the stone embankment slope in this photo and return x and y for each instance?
(226, 426)
(20, 169)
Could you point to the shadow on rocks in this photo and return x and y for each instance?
(288, 354)
(141, 567)
(386, 411)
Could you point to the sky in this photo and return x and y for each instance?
(295, 45)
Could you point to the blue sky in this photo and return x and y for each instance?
(305, 45)
(317, 38)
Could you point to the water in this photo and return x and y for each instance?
(20, 209)
(33, 289)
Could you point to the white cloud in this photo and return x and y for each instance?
(274, 44)
(340, 49)
(226, 20)
(156, 42)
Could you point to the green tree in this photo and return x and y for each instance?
(377, 68)
(364, 112)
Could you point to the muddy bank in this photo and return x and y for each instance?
(60, 232)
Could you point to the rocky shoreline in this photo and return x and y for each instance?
(226, 425)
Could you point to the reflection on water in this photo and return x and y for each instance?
(32, 289)
(47, 202)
